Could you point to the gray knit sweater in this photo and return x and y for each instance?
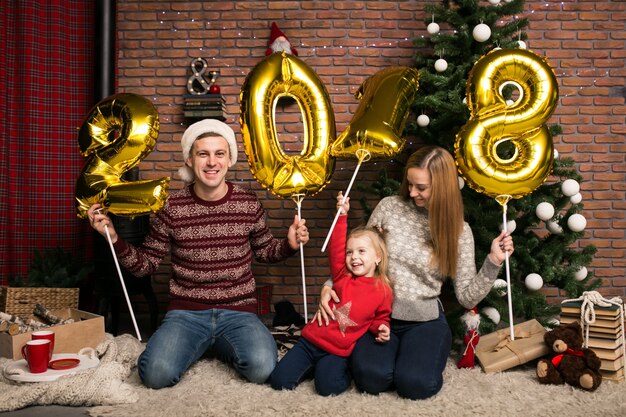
(416, 285)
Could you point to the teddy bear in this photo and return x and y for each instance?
(572, 364)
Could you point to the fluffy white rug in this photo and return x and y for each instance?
(212, 389)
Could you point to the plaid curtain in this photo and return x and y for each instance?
(46, 73)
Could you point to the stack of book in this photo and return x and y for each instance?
(205, 106)
(606, 337)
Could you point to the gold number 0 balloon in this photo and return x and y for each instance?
(377, 125)
(492, 122)
(136, 122)
(279, 75)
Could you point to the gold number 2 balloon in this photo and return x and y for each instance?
(279, 75)
(522, 124)
(116, 135)
(385, 102)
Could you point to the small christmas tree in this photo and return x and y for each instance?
(461, 32)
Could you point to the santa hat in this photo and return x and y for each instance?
(275, 34)
(198, 129)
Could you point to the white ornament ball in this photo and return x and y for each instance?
(423, 120)
(521, 44)
(576, 198)
(461, 183)
(576, 222)
(500, 286)
(570, 187)
(533, 282)
(554, 227)
(581, 274)
(511, 225)
(441, 65)
(433, 28)
(545, 211)
(481, 32)
(509, 103)
(556, 154)
(491, 313)
(464, 100)
(494, 2)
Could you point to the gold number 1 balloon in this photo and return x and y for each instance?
(279, 75)
(522, 124)
(116, 135)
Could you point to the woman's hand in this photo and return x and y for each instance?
(324, 311)
(499, 247)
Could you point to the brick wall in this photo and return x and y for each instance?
(344, 42)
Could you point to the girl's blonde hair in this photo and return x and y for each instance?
(380, 247)
(445, 206)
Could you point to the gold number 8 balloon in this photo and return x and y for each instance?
(279, 75)
(522, 124)
(116, 135)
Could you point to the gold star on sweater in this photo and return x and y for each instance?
(343, 317)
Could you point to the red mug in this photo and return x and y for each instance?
(47, 335)
(37, 355)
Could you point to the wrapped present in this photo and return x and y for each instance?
(497, 352)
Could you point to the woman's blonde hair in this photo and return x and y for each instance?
(380, 247)
(445, 206)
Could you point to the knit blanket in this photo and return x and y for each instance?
(102, 385)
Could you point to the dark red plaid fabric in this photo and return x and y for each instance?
(46, 67)
(264, 299)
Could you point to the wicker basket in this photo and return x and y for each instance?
(22, 300)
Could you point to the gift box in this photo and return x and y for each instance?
(497, 352)
(87, 330)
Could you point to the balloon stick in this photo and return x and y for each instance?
(119, 273)
(503, 200)
(362, 155)
(297, 198)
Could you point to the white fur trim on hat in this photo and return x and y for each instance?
(198, 129)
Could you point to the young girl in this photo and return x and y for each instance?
(359, 271)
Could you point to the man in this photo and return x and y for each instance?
(212, 228)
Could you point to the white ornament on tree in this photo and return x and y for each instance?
(576, 222)
(554, 227)
(581, 274)
(509, 103)
(511, 225)
(433, 28)
(494, 2)
(491, 313)
(533, 282)
(521, 44)
(461, 183)
(576, 198)
(500, 286)
(441, 65)
(545, 211)
(423, 120)
(570, 187)
(556, 154)
(481, 32)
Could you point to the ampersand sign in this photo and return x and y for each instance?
(116, 135)
(520, 124)
(279, 75)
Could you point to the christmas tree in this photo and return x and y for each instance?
(546, 252)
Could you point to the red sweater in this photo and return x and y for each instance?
(212, 244)
(364, 303)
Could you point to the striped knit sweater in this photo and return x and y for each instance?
(212, 244)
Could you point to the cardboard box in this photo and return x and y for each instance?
(86, 331)
(497, 352)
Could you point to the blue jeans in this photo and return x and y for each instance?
(235, 337)
(412, 362)
(332, 376)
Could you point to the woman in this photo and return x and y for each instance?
(428, 241)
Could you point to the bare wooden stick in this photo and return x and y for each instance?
(45, 314)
